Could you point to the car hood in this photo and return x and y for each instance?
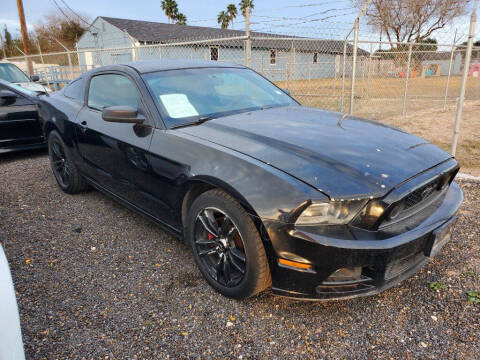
(34, 87)
(359, 158)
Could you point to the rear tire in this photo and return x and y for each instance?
(63, 168)
(227, 246)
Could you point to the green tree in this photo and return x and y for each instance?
(223, 19)
(170, 8)
(181, 19)
(232, 12)
(244, 4)
(432, 45)
(8, 41)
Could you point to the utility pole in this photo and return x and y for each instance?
(23, 28)
(248, 43)
(466, 68)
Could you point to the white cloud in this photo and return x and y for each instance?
(13, 25)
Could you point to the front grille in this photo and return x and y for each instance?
(422, 193)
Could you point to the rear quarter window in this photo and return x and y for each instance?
(74, 90)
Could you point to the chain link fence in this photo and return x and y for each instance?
(316, 72)
(391, 80)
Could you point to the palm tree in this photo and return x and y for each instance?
(244, 4)
(170, 8)
(181, 19)
(223, 19)
(232, 12)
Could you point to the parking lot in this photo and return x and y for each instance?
(95, 280)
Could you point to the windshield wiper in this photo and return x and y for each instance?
(196, 122)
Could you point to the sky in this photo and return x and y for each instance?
(316, 18)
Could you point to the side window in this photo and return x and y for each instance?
(112, 90)
(74, 90)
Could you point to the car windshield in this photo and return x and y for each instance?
(188, 95)
(11, 73)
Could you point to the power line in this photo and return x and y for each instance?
(301, 6)
(310, 21)
(75, 13)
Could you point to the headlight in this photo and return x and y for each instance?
(332, 213)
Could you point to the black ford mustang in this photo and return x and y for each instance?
(266, 192)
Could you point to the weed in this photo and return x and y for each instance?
(473, 297)
(436, 285)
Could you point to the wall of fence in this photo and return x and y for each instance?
(316, 72)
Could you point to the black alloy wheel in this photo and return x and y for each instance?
(226, 245)
(59, 164)
(65, 171)
(220, 247)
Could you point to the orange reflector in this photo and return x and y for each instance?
(294, 264)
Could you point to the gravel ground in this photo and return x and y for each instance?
(95, 280)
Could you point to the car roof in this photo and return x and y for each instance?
(169, 64)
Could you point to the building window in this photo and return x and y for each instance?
(315, 58)
(214, 53)
(103, 27)
(273, 57)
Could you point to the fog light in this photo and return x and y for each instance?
(345, 275)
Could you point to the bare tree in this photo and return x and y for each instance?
(63, 26)
(412, 20)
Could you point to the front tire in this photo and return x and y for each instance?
(227, 246)
(64, 170)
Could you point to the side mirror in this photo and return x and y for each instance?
(35, 78)
(7, 96)
(122, 114)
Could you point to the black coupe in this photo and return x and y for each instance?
(266, 192)
(19, 123)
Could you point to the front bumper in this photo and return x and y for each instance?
(384, 261)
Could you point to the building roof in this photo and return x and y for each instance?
(173, 64)
(148, 31)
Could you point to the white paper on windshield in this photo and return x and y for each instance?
(178, 105)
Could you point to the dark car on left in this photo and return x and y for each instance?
(19, 123)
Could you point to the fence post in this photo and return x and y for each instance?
(369, 69)
(354, 65)
(449, 71)
(248, 44)
(342, 105)
(40, 51)
(466, 69)
(70, 66)
(407, 77)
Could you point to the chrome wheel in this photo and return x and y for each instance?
(220, 247)
(59, 164)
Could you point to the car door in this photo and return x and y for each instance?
(19, 124)
(113, 154)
